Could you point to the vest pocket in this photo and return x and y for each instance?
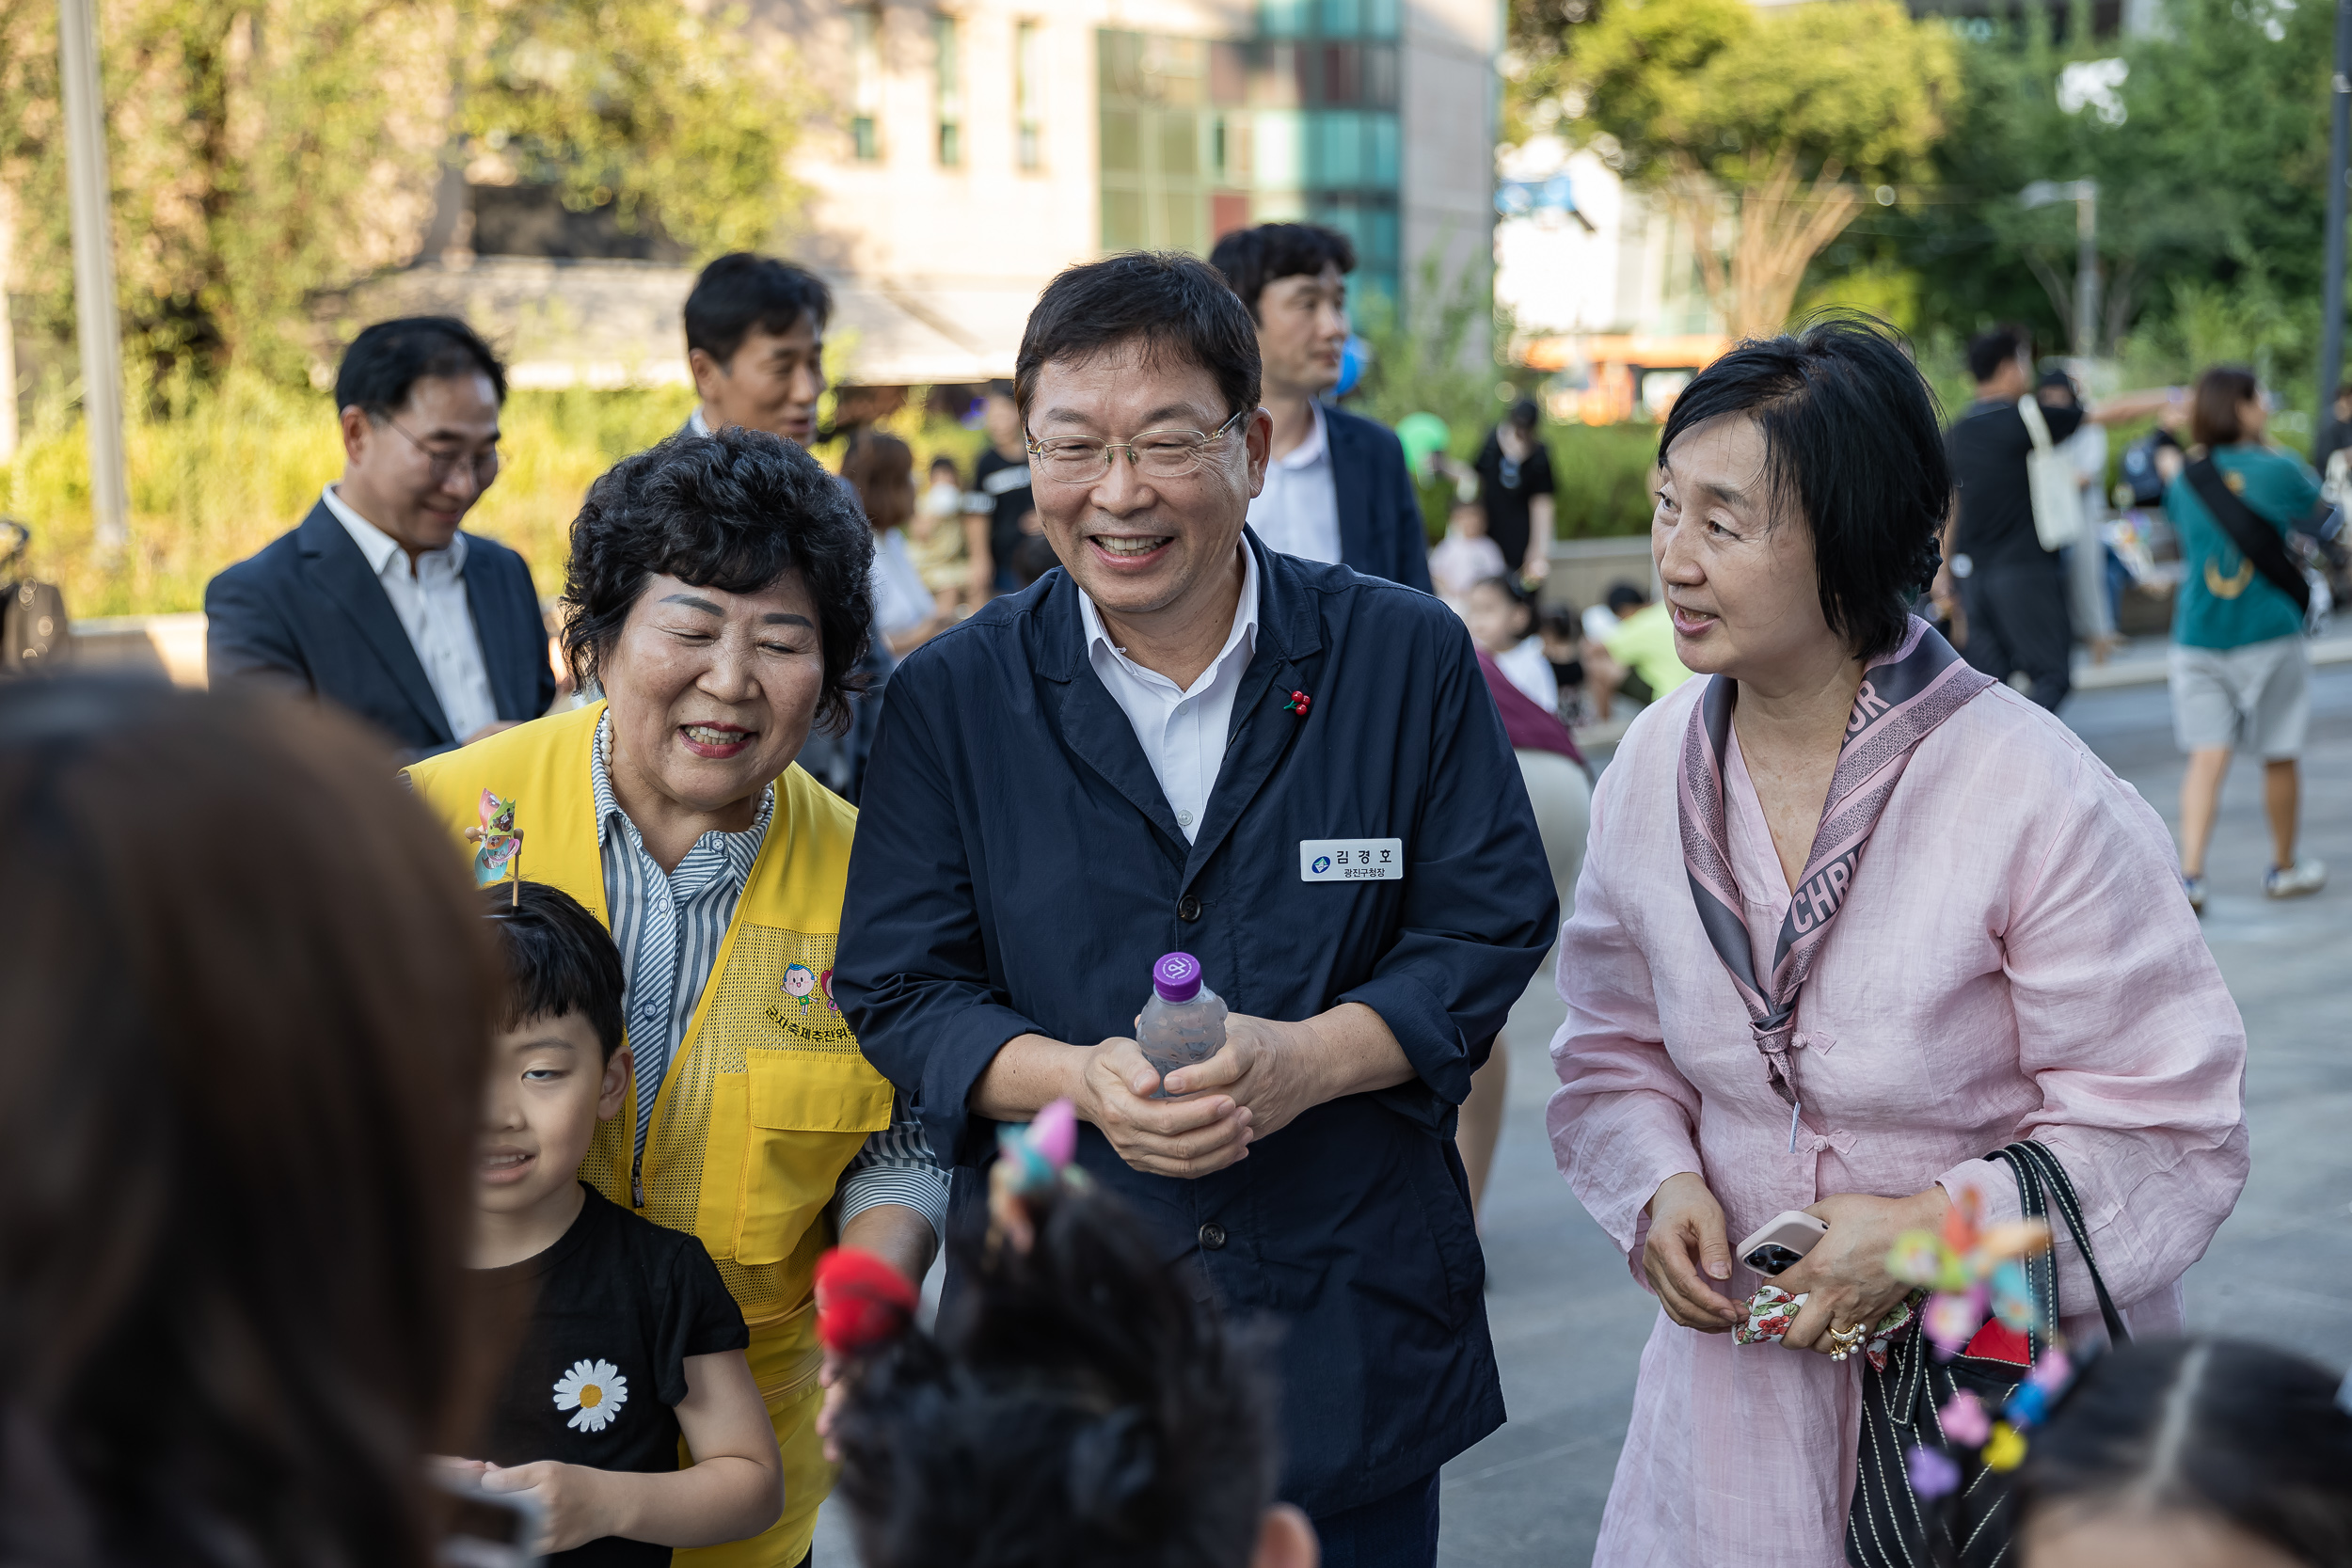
(809, 1113)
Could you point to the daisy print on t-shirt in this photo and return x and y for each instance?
(594, 1392)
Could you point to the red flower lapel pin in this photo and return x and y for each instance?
(1298, 703)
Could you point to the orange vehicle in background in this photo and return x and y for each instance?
(1610, 377)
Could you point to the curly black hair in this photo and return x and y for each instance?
(734, 511)
(1078, 1409)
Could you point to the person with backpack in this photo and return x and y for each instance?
(2240, 675)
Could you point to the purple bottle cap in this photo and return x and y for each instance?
(1176, 977)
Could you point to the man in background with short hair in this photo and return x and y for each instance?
(380, 602)
(1337, 488)
(756, 343)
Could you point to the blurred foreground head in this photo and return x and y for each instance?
(2185, 1453)
(248, 995)
(1077, 1409)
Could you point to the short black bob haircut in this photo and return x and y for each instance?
(741, 291)
(2234, 1431)
(1077, 1409)
(559, 960)
(735, 510)
(1852, 444)
(389, 357)
(1175, 305)
(1252, 257)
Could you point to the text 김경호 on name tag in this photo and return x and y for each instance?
(1351, 859)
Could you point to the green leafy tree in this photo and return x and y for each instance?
(267, 155)
(2208, 138)
(1760, 128)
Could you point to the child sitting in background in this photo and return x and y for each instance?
(2192, 1453)
(632, 1340)
(939, 544)
(1464, 557)
(1077, 1409)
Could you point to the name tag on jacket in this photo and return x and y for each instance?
(1351, 859)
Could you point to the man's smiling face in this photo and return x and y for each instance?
(1137, 545)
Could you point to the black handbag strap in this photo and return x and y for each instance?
(2256, 540)
(2026, 1156)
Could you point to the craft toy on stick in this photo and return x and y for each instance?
(500, 854)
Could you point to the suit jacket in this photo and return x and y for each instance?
(1018, 869)
(306, 614)
(1382, 532)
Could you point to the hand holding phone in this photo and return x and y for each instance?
(1785, 1238)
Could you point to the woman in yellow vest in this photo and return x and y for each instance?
(717, 591)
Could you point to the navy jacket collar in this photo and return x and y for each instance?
(1351, 474)
(335, 566)
(1289, 622)
(1095, 728)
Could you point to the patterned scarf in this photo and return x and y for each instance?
(1905, 696)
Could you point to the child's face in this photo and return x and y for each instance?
(548, 1087)
(2126, 1536)
(1496, 621)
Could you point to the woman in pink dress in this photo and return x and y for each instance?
(1987, 943)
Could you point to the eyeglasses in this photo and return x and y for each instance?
(1154, 454)
(485, 462)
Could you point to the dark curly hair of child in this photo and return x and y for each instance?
(1078, 1408)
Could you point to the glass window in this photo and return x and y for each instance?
(1380, 19)
(1028, 93)
(947, 88)
(1123, 221)
(864, 83)
(1282, 19)
(1339, 18)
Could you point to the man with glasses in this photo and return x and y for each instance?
(378, 602)
(1182, 741)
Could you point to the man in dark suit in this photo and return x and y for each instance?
(378, 602)
(1337, 488)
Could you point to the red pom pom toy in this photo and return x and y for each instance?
(862, 1302)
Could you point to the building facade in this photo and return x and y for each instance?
(961, 153)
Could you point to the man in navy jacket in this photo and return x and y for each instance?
(1337, 488)
(1183, 741)
(378, 602)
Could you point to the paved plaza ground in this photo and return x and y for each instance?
(1569, 1323)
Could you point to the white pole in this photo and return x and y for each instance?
(94, 268)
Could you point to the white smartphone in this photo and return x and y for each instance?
(1785, 1238)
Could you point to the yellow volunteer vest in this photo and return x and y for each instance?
(769, 1097)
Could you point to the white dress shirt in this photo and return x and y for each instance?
(1298, 509)
(428, 597)
(1183, 732)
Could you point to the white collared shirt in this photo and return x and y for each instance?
(428, 597)
(1182, 733)
(696, 424)
(1298, 509)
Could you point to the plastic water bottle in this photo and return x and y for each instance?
(1184, 1023)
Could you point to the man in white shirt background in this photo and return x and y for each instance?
(380, 602)
(1337, 488)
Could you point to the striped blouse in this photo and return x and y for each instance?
(669, 927)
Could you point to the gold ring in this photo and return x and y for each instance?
(1846, 1341)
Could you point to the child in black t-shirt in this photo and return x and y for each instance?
(633, 1341)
